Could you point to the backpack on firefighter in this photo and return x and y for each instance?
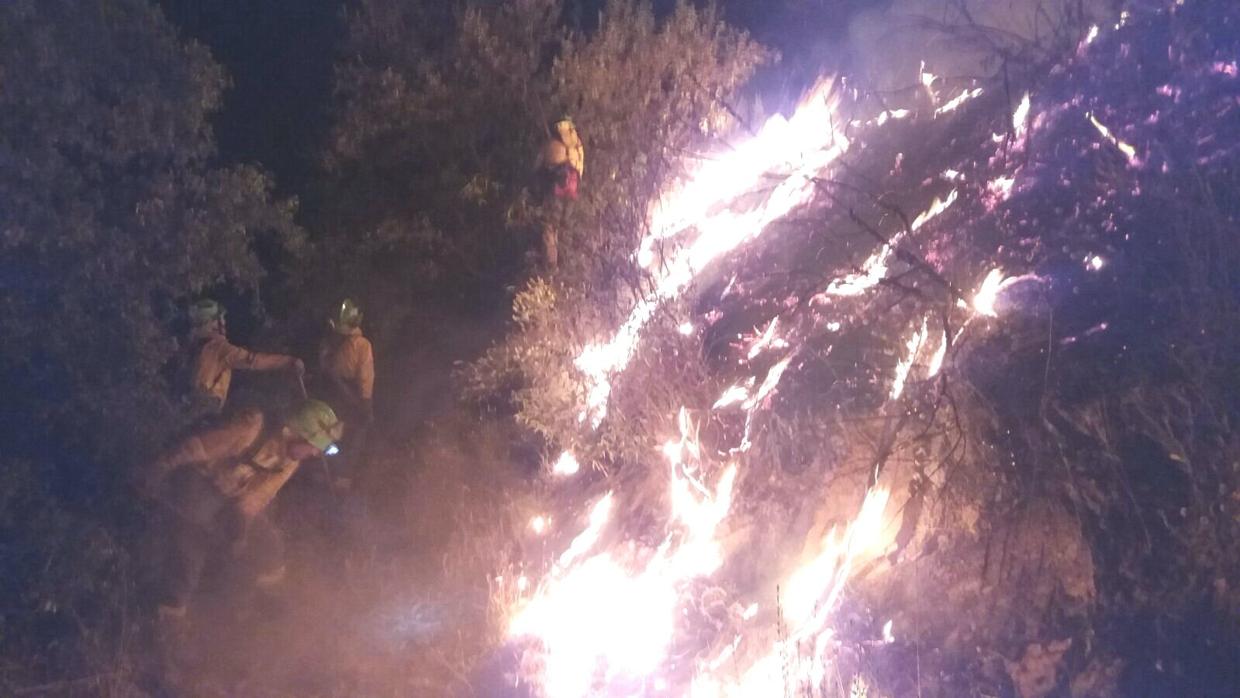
(562, 162)
(563, 159)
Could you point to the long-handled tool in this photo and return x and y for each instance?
(305, 395)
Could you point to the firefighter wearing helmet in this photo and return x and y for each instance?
(561, 165)
(347, 365)
(214, 358)
(214, 488)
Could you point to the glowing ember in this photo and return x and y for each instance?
(587, 538)
(999, 190)
(1020, 118)
(769, 384)
(984, 299)
(1096, 263)
(874, 270)
(960, 99)
(927, 81)
(672, 450)
(1001, 186)
(937, 207)
(889, 114)
(732, 396)
(1128, 151)
(566, 464)
(538, 525)
(906, 364)
(726, 654)
(766, 340)
(936, 361)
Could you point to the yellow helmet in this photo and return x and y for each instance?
(317, 423)
(347, 317)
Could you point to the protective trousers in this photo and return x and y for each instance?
(200, 527)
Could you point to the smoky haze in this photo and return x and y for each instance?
(959, 38)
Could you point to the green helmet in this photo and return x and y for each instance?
(316, 422)
(347, 317)
(204, 312)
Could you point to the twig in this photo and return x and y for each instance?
(904, 255)
(66, 683)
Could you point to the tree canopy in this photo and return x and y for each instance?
(114, 215)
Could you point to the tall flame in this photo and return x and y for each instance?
(605, 616)
(800, 147)
(812, 592)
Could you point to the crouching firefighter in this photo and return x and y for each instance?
(561, 164)
(213, 357)
(347, 363)
(213, 490)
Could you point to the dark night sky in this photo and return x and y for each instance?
(279, 56)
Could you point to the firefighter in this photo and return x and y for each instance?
(347, 363)
(214, 358)
(561, 164)
(213, 490)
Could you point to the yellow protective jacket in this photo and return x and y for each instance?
(564, 147)
(244, 458)
(215, 358)
(348, 361)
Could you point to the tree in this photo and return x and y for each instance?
(431, 142)
(114, 215)
(653, 94)
(436, 134)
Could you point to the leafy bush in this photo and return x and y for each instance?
(114, 215)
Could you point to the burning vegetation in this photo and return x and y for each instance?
(877, 414)
(916, 392)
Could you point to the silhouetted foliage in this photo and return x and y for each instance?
(113, 215)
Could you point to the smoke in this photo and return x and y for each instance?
(960, 39)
